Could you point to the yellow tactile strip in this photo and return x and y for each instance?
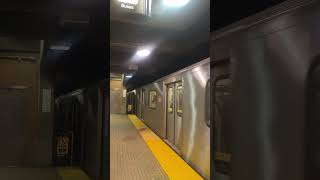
(175, 167)
(72, 173)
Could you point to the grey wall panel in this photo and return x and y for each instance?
(13, 107)
(36, 137)
(117, 101)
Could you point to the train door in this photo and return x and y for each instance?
(174, 113)
(178, 113)
(221, 119)
(170, 113)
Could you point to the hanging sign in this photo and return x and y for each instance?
(128, 4)
(134, 6)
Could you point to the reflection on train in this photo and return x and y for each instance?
(176, 108)
(221, 114)
(266, 131)
(80, 117)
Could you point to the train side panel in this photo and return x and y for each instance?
(270, 63)
(191, 132)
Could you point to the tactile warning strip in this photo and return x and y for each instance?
(175, 167)
(130, 156)
(72, 173)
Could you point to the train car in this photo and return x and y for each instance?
(176, 107)
(80, 126)
(270, 74)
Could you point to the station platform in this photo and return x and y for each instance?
(137, 153)
(47, 173)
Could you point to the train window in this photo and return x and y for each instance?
(153, 99)
(170, 100)
(179, 100)
(143, 97)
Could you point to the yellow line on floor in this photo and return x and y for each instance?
(175, 167)
(72, 173)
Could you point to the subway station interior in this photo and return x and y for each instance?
(160, 89)
(147, 50)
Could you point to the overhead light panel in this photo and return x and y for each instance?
(134, 2)
(133, 67)
(128, 76)
(143, 52)
(61, 48)
(175, 3)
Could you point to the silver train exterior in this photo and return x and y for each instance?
(274, 130)
(174, 107)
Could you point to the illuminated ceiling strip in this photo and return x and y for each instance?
(134, 2)
(62, 48)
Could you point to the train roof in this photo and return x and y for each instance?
(203, 62)
(261, 17)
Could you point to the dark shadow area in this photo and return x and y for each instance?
(54, 62)
(225, 12)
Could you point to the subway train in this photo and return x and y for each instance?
(176, 108)
(269, 128)
(80, 118)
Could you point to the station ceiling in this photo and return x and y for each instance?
(225, 12)
(178, 37)
(79, 24)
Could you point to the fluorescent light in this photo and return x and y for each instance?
(143, 52)
(61, 48)
(175, 3)
(134, 2)
(128, 76)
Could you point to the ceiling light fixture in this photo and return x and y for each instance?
(134, 2)
(60, 48)
(175, 3)
(143, 52)
(128, 76)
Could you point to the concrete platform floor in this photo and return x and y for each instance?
(46, 173)
(130, 156)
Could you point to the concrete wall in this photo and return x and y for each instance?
(25, 139)
(117, 101)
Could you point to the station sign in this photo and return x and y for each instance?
(128, 4)
(134, 6)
